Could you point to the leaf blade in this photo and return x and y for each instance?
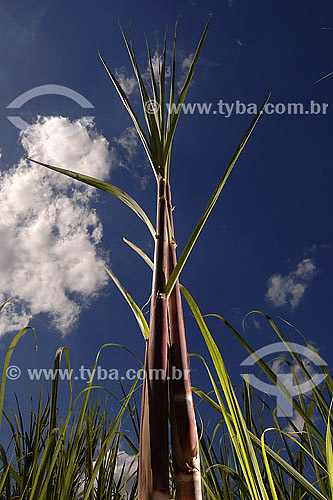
(190, 244)
(135, 308)
(104, 186)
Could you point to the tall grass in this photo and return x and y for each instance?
(76, 456)
(71, 456)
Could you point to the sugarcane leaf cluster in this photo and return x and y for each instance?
(165, 337)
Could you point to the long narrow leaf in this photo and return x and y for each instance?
(329, 452)
(6, 363)
(238, 433)
(131, 112)
(291, 471)
(186, 252)
(104, 186)
(135, 308)
(140, 252)
(175, 113)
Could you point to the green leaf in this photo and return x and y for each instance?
(237, 428)
(7, 360)
(272, 376)
(186, 252)
(104, 186)
(329, 452)
(4, 303)
(325, 76)
(131, 112)
(151, 118)
(5, 481)
(135, 308)
(140, 252)
(267, 467)
(280, 462)
(172, 96)
(106, 445)
(175, 115)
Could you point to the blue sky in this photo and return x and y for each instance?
(267, 244)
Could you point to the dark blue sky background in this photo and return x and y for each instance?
(275, 207)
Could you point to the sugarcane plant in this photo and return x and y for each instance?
(164, 397)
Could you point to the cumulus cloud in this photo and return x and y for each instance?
(128, 141)
(126, 464)
(239, 42)
(289, 289)
(128, 83)
(156, 67)
(185, 65)
(186, 62)
(49, 230)
(125, 469)
(315, 248)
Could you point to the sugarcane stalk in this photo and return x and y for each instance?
(166, 319)
(184, 435)
(154, 476)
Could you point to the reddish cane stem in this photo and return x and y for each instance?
(184, 436)
(157, 365)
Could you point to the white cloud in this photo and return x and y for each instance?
(186, 62)
(48, 229)
(128, 464)
(156, 69)
(239, 42)
(128, 83)
(256, 324)
(315, 248)
(183, 62)
(289, 289)
(184, 68)
(128, 141)
(13, 317)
